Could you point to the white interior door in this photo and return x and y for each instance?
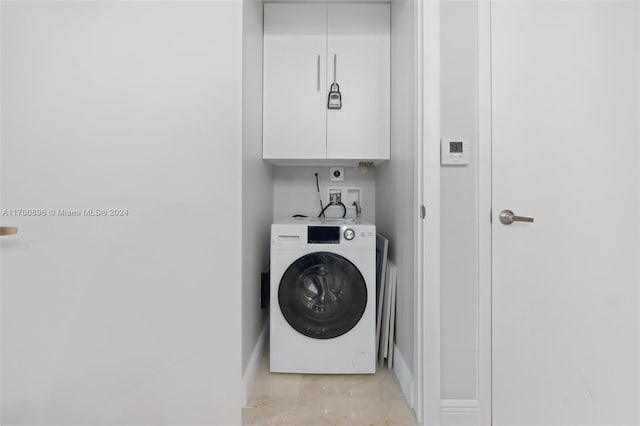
(117, 305)
(566, 137)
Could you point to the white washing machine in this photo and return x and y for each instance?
(322, 300)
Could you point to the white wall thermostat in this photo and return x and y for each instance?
(455, 152)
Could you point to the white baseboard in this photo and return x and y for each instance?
(249, 376)
(459, 412)
(404, 375)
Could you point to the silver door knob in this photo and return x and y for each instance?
(507, 217)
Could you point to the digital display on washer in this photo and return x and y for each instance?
(323, 235)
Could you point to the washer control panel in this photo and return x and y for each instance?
(336, 234)
(299, 235)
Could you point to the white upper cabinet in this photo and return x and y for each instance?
(295, 46)
(304, 46)
(359, 42)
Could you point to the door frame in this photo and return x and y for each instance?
(430, 408)
(427, 273)
(485, 214)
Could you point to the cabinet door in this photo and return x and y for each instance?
(294, 105)
(358, 36)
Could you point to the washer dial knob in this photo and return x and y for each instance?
(349, 234)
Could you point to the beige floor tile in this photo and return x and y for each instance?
(269, 388)
(382, 385)
(400, 414)
(277, 412)
(341, 411)
(312, 400)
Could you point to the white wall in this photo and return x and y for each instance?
(129, 320)
(257, 182)
(295, 192)
(395, 213)
(459, 246)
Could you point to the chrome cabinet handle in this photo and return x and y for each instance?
(8, 230)
(318, 73)
(507, 217)
(335, 66)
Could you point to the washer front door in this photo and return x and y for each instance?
(322, 295)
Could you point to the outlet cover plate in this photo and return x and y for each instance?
(336, 174)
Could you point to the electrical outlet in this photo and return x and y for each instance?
(336, 173)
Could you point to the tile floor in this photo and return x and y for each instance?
(310, 400)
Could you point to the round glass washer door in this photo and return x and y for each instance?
(322, 295)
